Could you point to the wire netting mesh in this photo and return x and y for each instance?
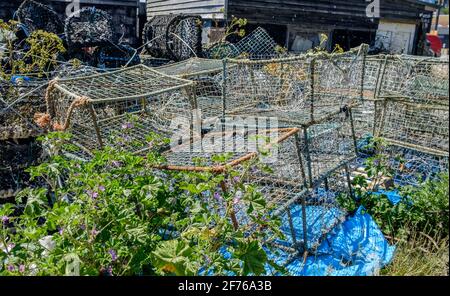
(176, 37)
(311, 214)
(423, 127)
(118, 108)
(89, 27)
(420, 79)
(18, 103)
(37, 16)
(297, 90)
(184, 37)
(257, 45)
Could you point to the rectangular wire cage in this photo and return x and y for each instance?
(299, 90)
(282, 180)
(420, 79)
(311, 214)
(119, 109)
(207, 76)
(417, 135)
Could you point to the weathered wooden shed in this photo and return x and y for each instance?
(124, 13)
(298, 23)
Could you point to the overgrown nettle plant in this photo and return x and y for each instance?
(117, 215)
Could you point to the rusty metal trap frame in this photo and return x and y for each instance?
(297, 90)
(417, 79)
(118, 109)
(283, 182)
(308, 215)
(207, 76)
(417, 126)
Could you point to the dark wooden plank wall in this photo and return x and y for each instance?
(206, 8)
(337, 13)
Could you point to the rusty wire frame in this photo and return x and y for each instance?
(299, 90)
(119, 108)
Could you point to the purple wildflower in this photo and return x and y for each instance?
(217, 196)
(61, 231)
(21, 268)
(92, 194)
(127, 125)
(236, 179)
(113, 255)
(11, 267)
(101, 188)
(237, 197)
(83, 227)
(5, 219)
(116, 163)
(94, 232)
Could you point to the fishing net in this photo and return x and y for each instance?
(118, 109)
(89, 27)
(37, 16)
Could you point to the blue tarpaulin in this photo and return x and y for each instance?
(356, 247)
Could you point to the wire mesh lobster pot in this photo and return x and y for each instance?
(184, 37)
(419, 79)
(206, 73)
(19, 101)
(416, 136)
(298, 90)
(309, 216)
(118, 109)
(155, 35)
(257, 45)
(37, 16)
(176, 37)
(89, 27)
(116, 56)
(198, 153)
